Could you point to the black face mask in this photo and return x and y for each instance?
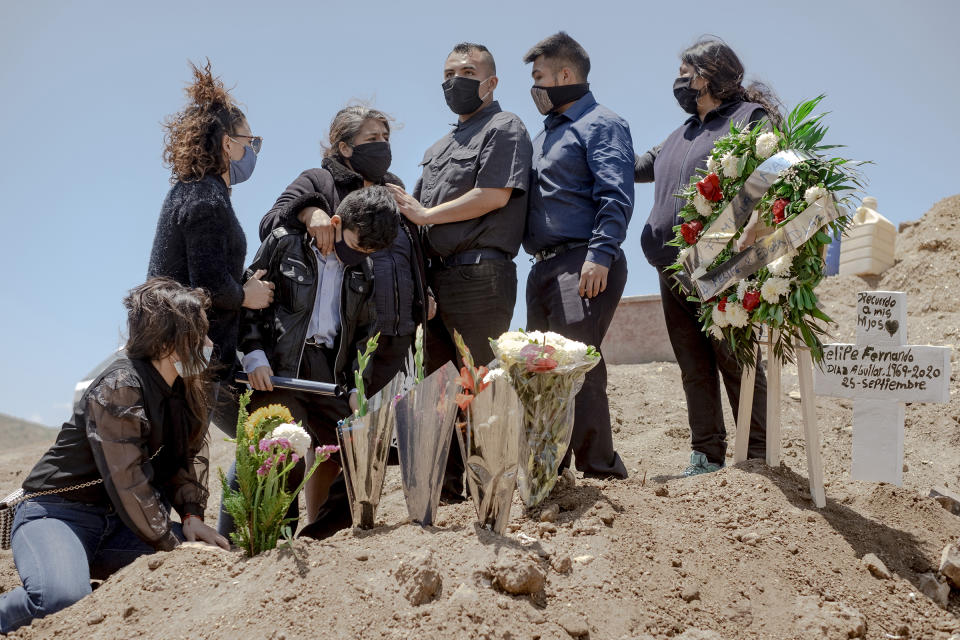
(371, 160)
(348, 256)
(685, 95)
(548, 99)
(462, 94)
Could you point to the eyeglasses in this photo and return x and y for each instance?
(256, 142)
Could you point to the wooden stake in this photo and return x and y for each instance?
(773, 400)
(812, 435)
(745, 412)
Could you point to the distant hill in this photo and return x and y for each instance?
(17, 432)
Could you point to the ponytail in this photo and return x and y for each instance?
(193, 144)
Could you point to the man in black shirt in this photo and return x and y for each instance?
(471, 202)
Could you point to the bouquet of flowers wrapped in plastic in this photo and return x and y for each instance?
(425, 410)
(546, 370)
(792, 184)
(365, 445)
(269, 445)
(489, 439)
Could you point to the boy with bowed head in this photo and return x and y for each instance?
(322, 316)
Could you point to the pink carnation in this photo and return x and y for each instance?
(265, 467)
(327, 449)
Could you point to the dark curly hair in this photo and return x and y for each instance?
(193, 142)
(714, 61)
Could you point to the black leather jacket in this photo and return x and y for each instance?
(126, 431)
(281, 329)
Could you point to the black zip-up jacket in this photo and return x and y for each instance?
(671, 165)
(399, 293)
(281, 329)
(129, 429)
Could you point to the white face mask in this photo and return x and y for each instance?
(207, 354)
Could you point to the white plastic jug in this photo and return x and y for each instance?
(868, 246)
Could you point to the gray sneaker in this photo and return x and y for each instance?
(699, 464)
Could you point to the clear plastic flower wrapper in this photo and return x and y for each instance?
(425, 416)
(546, 371)
(364, 449)
(490, 443)
(365, 444)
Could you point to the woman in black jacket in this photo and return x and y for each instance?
(358, 156)
(709, 88)
(134, 448)
(199, 241)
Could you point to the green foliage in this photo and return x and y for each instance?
(418, 354)
(363, 359)
(259, 504)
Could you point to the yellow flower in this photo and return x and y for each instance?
(265, 413)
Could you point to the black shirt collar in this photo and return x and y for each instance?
(343, 175)
(723, 110)
(479, 118)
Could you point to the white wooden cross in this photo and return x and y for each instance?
(879, 373)
(808, 409)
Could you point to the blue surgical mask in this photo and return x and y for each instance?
(207, 354)
(242, 169)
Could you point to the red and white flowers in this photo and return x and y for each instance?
(546, 370)
(778, 294)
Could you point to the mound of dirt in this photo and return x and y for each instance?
(741, 553)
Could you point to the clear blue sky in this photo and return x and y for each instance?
(84, 86)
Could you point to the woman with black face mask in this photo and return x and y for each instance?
(358, 155)
(709, 88)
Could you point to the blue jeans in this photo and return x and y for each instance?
(58, 545)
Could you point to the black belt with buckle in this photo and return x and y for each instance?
(553, 252)
(473, 256)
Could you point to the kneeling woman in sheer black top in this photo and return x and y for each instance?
(134, 449)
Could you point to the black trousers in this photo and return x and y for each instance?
(700, 357)
(477, 300)
(554, 304)
(318, 414)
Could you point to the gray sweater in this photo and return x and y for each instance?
(670, 166)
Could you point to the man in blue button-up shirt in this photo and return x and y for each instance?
(581, 200)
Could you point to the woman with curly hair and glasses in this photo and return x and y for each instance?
(199, 241)
(101, 495)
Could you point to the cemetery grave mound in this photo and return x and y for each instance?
(741, 553)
